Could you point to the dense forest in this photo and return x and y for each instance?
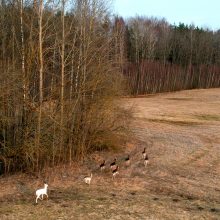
(161, 57)
(62, 64)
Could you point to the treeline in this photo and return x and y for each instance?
(59, 74)
(161, 57)
(63, 63)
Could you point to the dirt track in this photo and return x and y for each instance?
(181, 133)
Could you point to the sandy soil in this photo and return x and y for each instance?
(181, 133)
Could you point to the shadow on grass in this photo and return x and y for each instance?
(208, 117)
(174, 122)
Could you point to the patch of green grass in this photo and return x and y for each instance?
(208, 117)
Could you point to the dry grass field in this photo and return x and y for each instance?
(181, 133)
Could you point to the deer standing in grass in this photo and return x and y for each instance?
(102, 165)
(113, 164)
(41, 192)
(87, 179)
(115, 172)
(146, 161)
(144, 153)
(127, 160)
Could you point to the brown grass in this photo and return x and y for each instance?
(182, 180)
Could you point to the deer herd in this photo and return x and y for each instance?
(87, 179)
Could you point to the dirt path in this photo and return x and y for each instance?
(181, 133)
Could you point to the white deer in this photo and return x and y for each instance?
(87, 179)
(41, 192)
